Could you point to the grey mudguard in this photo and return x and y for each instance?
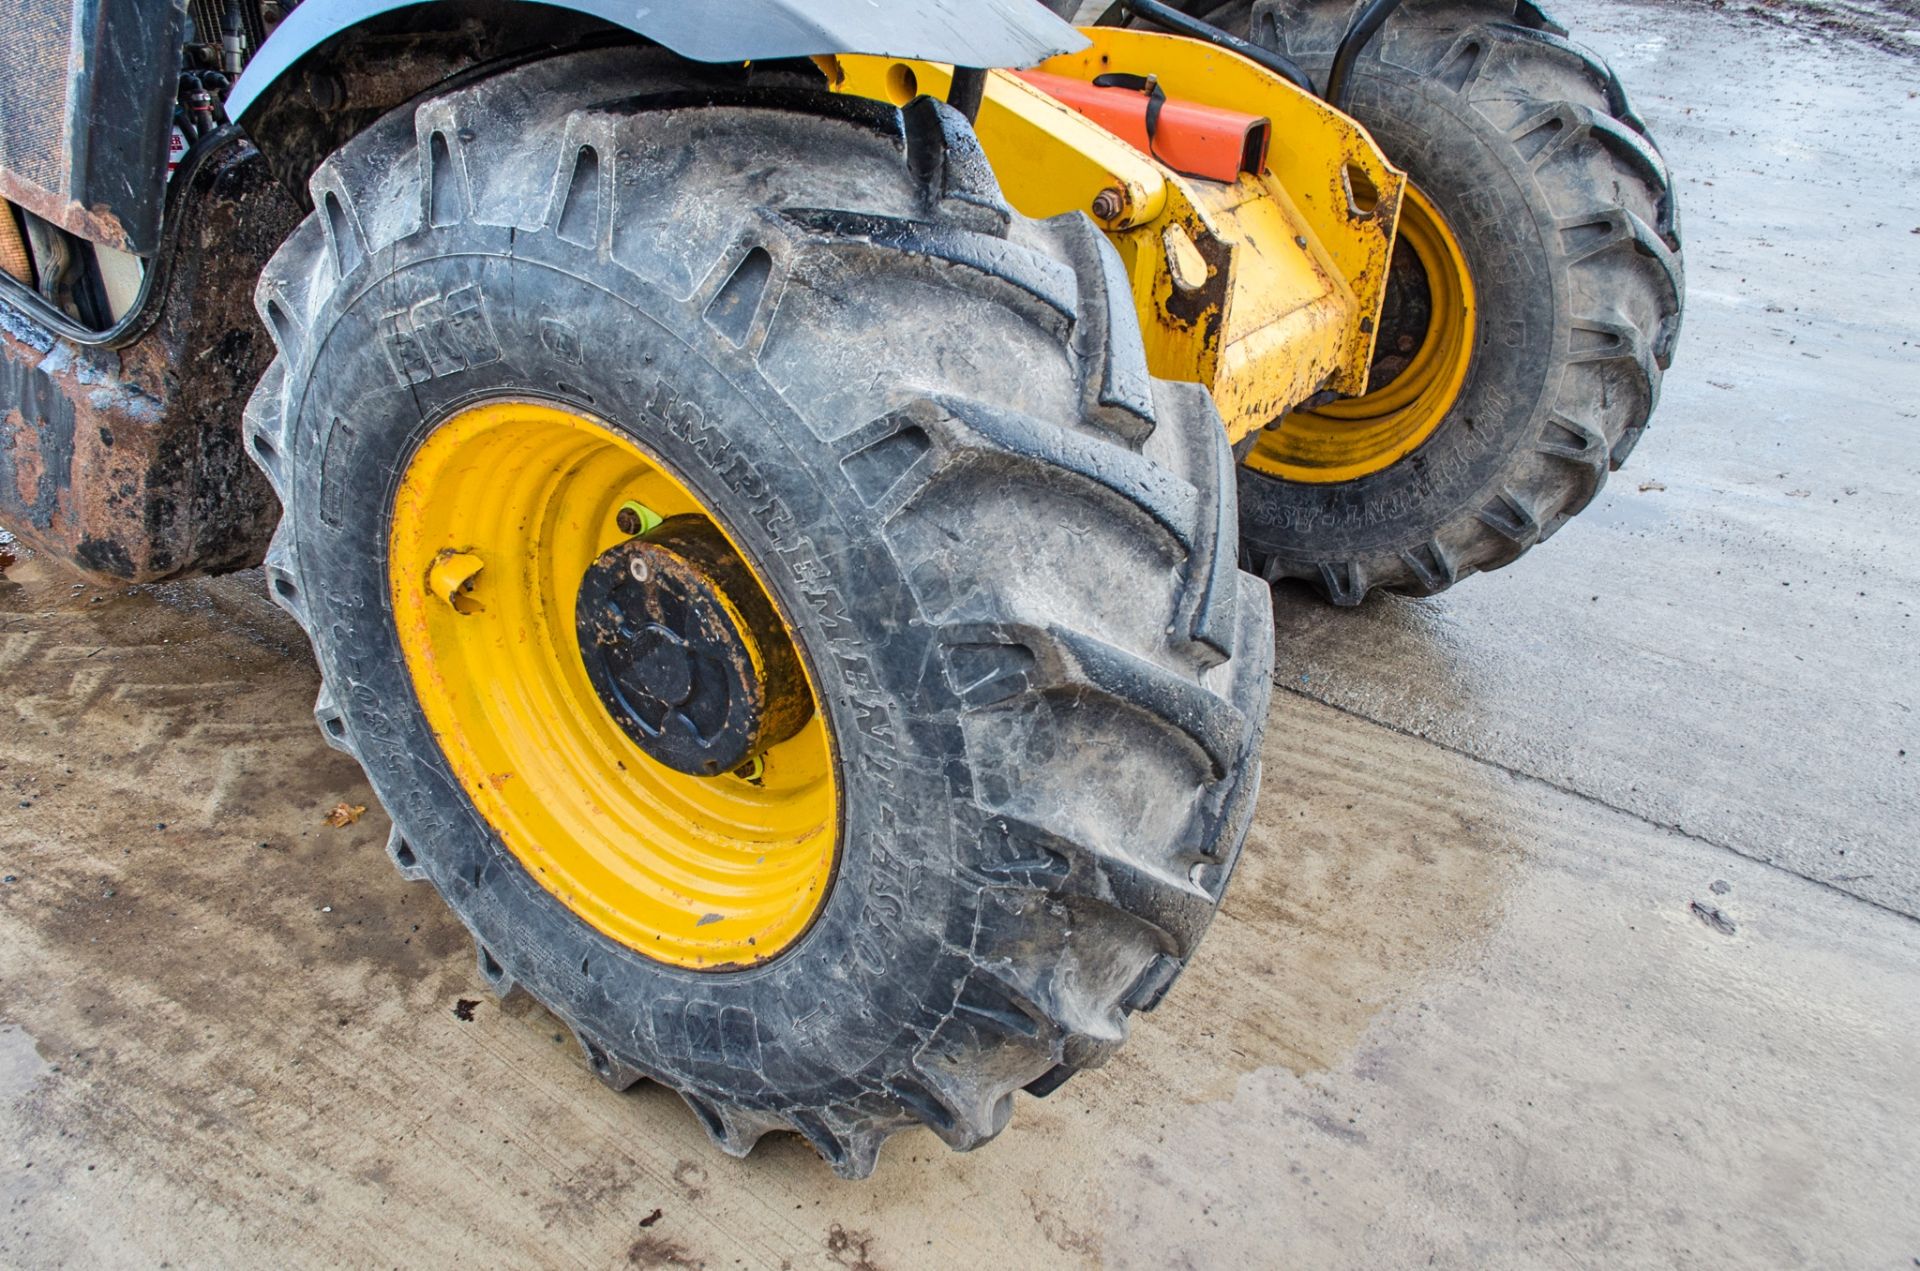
(963, 32)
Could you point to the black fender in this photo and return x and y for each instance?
(963, 32)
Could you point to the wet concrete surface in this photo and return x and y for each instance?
(1723, 643)
(1576, 927)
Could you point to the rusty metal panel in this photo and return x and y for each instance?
(129, 465)
(86, 104)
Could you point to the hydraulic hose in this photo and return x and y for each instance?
(153, 284)
(1165, 15)
(1352, 44)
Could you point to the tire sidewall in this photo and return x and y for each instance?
(884, 958)
(1484, 188)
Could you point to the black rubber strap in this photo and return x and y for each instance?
(1148, 84)
(1169, 18)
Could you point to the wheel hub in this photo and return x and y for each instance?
(685, 652)
(1421, 356)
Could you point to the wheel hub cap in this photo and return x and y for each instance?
(668, 629)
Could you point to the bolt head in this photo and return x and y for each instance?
(640, 570)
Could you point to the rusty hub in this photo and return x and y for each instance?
(686, 653)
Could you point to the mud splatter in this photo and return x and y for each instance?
(657, 1251)
(851, 1249)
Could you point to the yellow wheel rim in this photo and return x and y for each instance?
(1348, 439)
(498, 516)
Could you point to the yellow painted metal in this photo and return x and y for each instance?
(699, 872)
(1316, 159)
(1185, 265)
(1346, 439)
(451, 576)
(1295, 257)
(1049, 158)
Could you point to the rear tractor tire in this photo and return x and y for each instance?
(758, 575)
(1533, 303)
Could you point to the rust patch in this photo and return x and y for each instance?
(1205, 306)
(96, 224)
(129, 466)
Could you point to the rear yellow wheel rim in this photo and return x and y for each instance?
(1348, 439)
(702, 872)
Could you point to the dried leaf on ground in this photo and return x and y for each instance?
(345, 814)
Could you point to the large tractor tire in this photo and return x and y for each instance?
(781, 615)
(1533, 303)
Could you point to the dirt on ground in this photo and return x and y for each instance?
(1889, 25)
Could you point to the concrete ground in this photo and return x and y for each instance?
(1578, 926)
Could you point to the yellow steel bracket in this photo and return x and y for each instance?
(1267, 290)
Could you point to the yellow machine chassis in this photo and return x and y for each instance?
(1267, 290)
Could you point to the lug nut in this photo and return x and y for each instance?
(640, 570)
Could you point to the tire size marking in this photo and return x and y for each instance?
(686, 421)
